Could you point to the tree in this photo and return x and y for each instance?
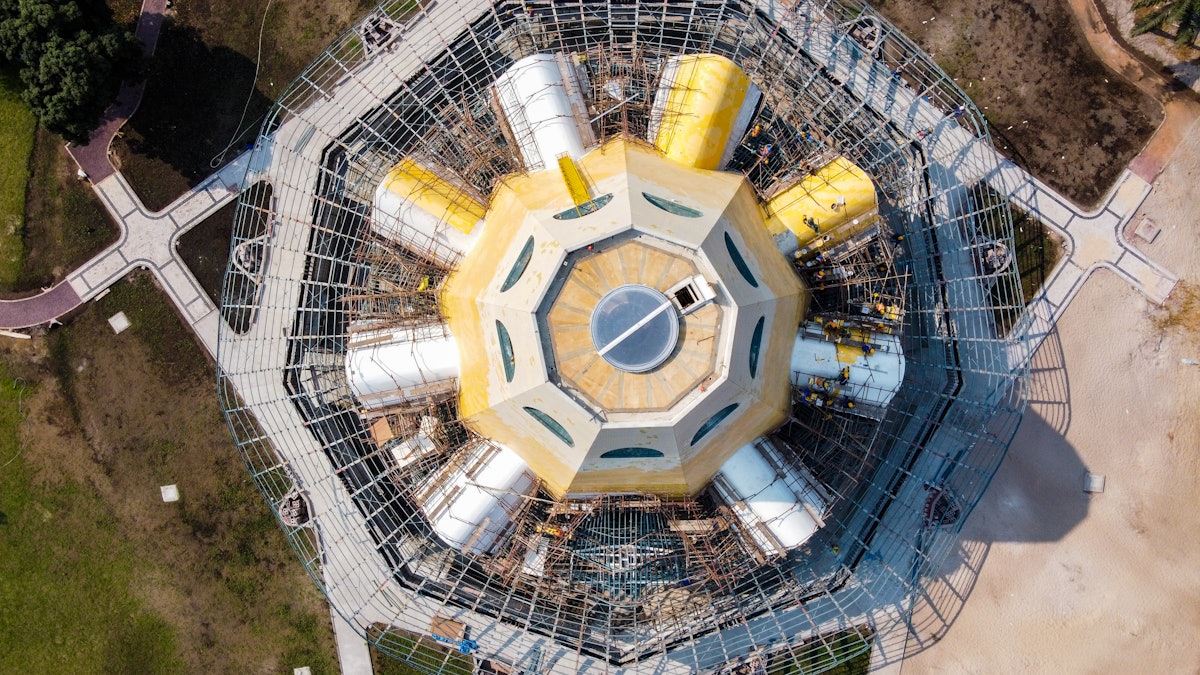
(71, 59)
(1182, 13)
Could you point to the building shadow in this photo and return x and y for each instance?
(1036, 495)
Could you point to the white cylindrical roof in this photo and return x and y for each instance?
(537, 105)
(398, 219)
(767, 500)
(380, 375)
(470, 509)
(874, 373)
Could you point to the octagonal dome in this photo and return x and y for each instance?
(340, 377)
(522, 307)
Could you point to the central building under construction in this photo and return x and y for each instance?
(583, 337)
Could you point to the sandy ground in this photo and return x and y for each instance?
(1071, 583)
(1184, 62)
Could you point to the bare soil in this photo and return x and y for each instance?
(205, 250)
(1053, 106)
(121, 415)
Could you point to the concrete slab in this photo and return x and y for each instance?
(119, 322)
(353, 654)
(1058, 292)
(1147, 230)
(1155, 283)
(1131, 191)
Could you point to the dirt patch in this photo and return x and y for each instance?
(108, 414)
(205, 250)
(205, 98)
(1053, 106)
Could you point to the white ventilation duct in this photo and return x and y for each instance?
(865, 368)
(389, 373)
(471, 504)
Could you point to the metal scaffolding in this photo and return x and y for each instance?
(615, 581)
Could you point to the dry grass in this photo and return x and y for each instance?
(1055, 108)
(1181, 311)
(65, 223)
(204, 76)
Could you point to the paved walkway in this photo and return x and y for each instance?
(148, 241)
(93, 158)
(1092, 240)
(39, 309)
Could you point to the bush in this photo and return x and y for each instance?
(72, 59)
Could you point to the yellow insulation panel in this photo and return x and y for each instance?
(837, 201)
(434, 195)
(701, 110)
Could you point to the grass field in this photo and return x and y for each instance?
(17, 125)
(65, 224)
(852, 647)
(97, 574)
(66, 573)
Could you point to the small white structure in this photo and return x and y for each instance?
(863, 368)
(778, 504)
(384, 374)
(1093, 483)
(119, 322)
(542, 100)
(170, 493)
(416, 446)
(471, 504)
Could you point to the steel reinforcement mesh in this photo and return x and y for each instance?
(624, 585)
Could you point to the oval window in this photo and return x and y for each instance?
(739, 262)
(631, 453)
(518, 268)
(712, 422)
(506, 352)
(585, 208)
(551, 424)
(755, 345)
(672, 206)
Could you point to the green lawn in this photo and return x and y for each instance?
(66, 575)
(16, 142)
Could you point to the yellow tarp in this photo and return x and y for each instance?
(700, 112)
(838, 200)
(434, 195)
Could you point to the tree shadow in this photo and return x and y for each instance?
(194, 102)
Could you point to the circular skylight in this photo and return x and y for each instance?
(634, 328)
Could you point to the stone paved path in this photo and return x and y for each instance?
(93, 158)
